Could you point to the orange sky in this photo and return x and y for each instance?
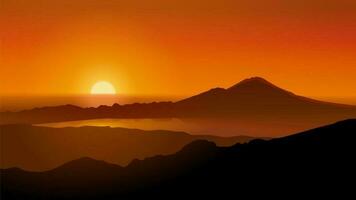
(159, 47)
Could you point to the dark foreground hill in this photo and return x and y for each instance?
(42, 148)
(318, 162)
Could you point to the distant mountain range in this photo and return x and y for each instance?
(319, 162)
(251, 98)
(41, 148)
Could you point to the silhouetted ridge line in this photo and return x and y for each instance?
(248, 98)
(253, 81)
(85, 164)
(112, 144)
(319, 157)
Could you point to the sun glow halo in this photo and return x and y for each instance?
(103, 87)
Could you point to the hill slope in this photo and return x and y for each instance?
(29, 146)
(299, 164)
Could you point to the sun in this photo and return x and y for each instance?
(102, 87)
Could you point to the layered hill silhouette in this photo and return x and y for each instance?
(41, 148)
(319, 161)
(250, 98)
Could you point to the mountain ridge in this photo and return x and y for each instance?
(28, 146)
(320, 156)
(253, 101)
(244, 82)
(201, 145)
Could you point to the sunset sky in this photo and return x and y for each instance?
(179, 47)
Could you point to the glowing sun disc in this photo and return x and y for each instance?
(103, 87)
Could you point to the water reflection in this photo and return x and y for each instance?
(198, 126)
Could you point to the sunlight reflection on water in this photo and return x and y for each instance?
(197, 126)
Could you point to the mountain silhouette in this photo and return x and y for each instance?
(29, 146)
(251, 107)
(316, 162)
(255, 95)
(256, 89)
(250, 97)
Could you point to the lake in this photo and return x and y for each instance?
(198, 126)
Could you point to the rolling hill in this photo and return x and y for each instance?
(42, 148)
(316, 162)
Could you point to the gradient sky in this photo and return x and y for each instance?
(160, 47)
